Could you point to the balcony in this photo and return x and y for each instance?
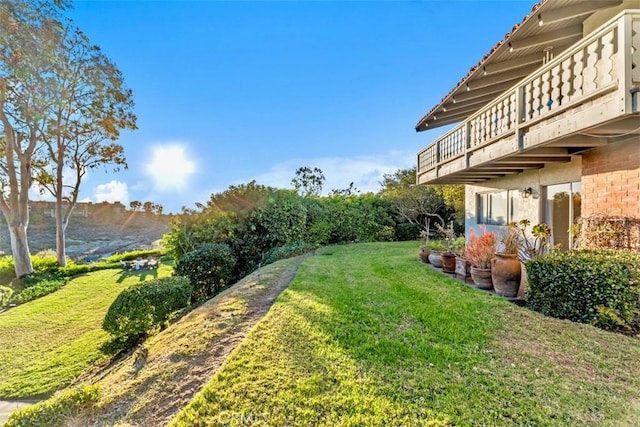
(584, 98)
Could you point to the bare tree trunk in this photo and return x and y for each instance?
(20, 249)
(61, 249)
(61, 224)
(15, 207)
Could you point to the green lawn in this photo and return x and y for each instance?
(49, 342)
(367, 335)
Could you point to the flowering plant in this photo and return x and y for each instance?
(480, 249)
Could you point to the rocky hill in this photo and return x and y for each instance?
(95, 235)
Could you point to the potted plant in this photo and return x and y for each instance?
(462, 265)
(479, 252)
(530, 247)
(505, 266)
(435, 256)
(448, 255)
(425, 251)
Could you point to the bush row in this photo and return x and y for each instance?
(601, 288)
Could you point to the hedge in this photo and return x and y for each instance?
(209, 268)
(142, 308)
(597, 287)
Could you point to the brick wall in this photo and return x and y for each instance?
(611, 180)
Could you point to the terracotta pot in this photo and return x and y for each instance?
(462, 268)
(424, 255)
(524, 281)
(448, 262)
(436, 259)
(505, 273)
(481, 277)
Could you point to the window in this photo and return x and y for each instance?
(497, 207)
(562, 209)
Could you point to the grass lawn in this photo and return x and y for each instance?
(367, 335)
(49, 342)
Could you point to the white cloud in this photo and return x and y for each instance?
(169, 167)
(364, 171)
(112, 191)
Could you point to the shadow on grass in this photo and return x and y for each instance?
(143, 275)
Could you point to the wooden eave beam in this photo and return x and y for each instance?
(573, 11)
(468, 95)
(470, 105)
(512, 77)
(547, 38)
(515, 160)
(530, 61)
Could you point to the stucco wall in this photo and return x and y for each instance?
(530, 208)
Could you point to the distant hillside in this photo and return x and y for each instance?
(101, 232)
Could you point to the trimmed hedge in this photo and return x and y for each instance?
(209, 268)
(601, 288)
(142, 308)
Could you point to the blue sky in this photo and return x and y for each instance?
(228, 92)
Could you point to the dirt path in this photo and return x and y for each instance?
(160, 382)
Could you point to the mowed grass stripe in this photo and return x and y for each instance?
(348, 344)
(367, 335)
(49, 342)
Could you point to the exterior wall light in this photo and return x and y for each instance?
(526, 192)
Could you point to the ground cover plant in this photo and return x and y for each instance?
(368, 335)
(49, 342)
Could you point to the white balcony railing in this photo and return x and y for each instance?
(607, 60)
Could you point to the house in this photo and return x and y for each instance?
(548, 124)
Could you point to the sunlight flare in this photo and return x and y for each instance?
(169, 167)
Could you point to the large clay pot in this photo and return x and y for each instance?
(524, 281)
(481, 277)
(505, 273)
(462, 268)
(436, 259)
(424, 255)
(448, 262)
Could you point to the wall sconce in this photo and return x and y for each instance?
(526, 192)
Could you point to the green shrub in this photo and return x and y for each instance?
(53, 411)
(142, 308)
(597, 287)
(407, 231)
(37, 285)
(45, 261)
(209, 268)
(287, 251)
(5, 295)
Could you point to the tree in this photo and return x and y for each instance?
(135, 205)
(88, 106)
(30, 31)
(147, 207)
(64, 97)
(310, 181)
(417, 204)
